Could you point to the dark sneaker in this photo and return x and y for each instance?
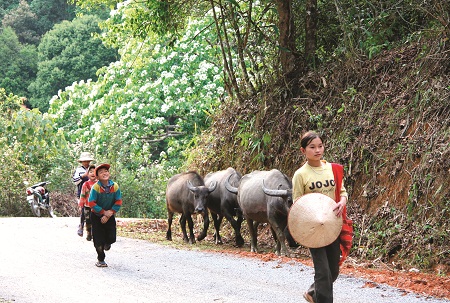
(89, 237)
(107, 246)
(101, 264)
(308, 297)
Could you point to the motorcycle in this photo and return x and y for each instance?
(39, 198)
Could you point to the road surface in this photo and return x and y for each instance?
(43, 260)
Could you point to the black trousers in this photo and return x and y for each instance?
(87, 214)
(86, 217)
(326, 270)
(102, 234)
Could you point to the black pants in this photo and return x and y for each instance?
(102, 234)
(326, 271)
(86, 217)
(82, 218)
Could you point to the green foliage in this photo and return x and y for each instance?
(18, 63)
(34, 139)
(24, 23)
(51, 12)
(144, 190)
(32, 19)
(253, 141)
(31, 136)
(13, 196)
(369, 27)
(68, 53)
(29, 146)
(6, 6)
(93, 4)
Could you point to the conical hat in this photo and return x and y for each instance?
(312, 222)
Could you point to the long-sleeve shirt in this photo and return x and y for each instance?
(78, 180)
(309, 179)
(85, 192)
(104, 198)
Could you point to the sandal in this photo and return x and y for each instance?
(101, 264)
(308, 297)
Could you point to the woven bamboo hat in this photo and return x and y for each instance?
(312, 222)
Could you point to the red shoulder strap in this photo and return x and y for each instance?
(338, 171)
(346, 235)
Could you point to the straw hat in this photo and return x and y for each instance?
(312, 222)
(85, 156)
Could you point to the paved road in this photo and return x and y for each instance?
(43, 260)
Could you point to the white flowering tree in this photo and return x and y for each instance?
(161, 86)
(153, 86)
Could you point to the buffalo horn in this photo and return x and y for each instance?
(212, 186)
(229, 187)
(274, 192)
(190, 186)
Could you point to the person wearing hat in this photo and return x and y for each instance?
(85, 191)
(105, 200)
(79, 177)
(317, 176)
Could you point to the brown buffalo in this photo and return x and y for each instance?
(186, 194)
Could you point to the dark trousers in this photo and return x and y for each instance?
(82, 218)
(326, 271)
(86, 217)
(102, 234)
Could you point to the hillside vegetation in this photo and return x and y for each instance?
(386, 119)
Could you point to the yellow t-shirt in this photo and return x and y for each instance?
(309, 179)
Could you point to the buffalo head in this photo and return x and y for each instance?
(200, 193)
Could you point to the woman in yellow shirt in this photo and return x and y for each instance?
(316, 176)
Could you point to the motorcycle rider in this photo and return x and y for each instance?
(79, 177)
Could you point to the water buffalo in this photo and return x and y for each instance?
(223, 203)
(186, 194)
(265, 197)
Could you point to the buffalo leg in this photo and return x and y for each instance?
(236, 224)
(278, 235)
(183, 227)
(253, 229)
(191, 238)
(277, 241)
(169, 226)
(217, 219)
(290, 239)
(205, 225)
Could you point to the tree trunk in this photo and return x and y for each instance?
(311, 32)
(287, 36)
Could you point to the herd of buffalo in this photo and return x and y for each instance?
(257, 197)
